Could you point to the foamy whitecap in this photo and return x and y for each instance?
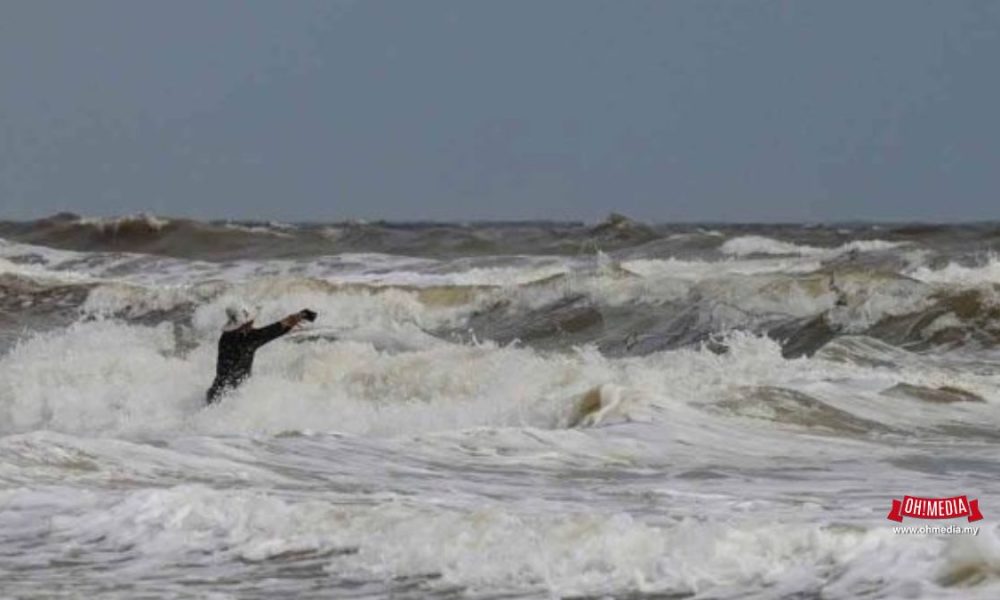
(750, 245)
(987, 273)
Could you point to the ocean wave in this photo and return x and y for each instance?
(754, 245)
(105, 376)
(985, 274)
(275, 229)
(138, 223)
(227, 240)
(632, 306)
(258, 240)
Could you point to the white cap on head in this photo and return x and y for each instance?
(238, 315)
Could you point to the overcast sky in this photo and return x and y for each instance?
(504, 109)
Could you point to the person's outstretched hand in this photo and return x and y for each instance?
(295, 318)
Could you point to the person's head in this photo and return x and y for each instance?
(238, 316)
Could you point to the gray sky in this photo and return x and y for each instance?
(507, 109)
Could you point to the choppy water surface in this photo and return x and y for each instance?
(484, 411)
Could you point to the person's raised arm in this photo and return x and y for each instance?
(280, 328)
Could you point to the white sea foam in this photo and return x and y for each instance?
(116, 223)
(755, 244)
(493, 547)
(697, 269)
(750, 245)
(365, 268)
(104, 377)
(987, 273)
(501, 547)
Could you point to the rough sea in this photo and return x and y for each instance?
(500, 410)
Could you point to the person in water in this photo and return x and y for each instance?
(239, 342)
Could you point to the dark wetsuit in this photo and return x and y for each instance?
(236, 350)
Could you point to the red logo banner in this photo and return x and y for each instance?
(935, 508)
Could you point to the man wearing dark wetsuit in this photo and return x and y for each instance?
(238, 344)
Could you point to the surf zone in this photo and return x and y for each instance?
(935, 508)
